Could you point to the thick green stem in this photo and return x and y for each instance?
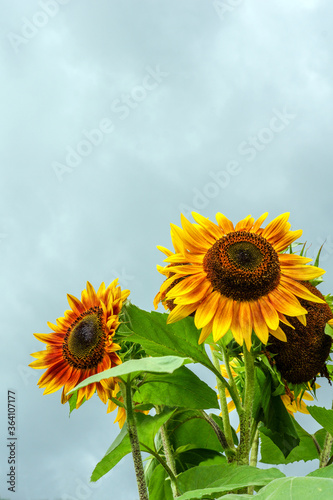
(126, 390)
(233, 388)
(326, 451)
(170, 460)
(254, 449)
(246, 416)
(254, 456)
(223, 404)
(161, 461)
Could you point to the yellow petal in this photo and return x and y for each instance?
(269, 313)
(225, 224)
(207, 309)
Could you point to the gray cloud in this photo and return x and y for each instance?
(225, 77)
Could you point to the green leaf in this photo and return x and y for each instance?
(271, 453)
(182, 388)
(164, 364)
(320, 436)
(262, 395)
(292, 488)
(218, 420)
(198, 457)
(120, 447)
(188, 428)
(73, 400)
(159, 486)
(279, 426)
(323, 416)
(269, 409)
(329, 330)
(159, 339)
(147, 428)
(323, 472)
(208, 482)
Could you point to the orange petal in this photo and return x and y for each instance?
(195, 295)
(258, 223)
(245, 224)
(207, 309)
(222, 319)
(235, 324)
(291, 259)
(180, 312)
(259, 324)
(208, 225)
(245, 321)
(285, 302)
(303, 273)
(205, 332)
(302, 319)
(289, 238)
(279, 334)
(75, 304)
(225, 224)
(187, 285)
(269, 313)
(192, 233)
(300, 290)
(275, 226)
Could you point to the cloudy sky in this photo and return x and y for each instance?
(117, 117)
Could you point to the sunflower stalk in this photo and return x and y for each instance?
(245, 417)
(126, 390)
(162, 462)
(325, 454)
(224, 405)
(220, 436)
(255, 449)
(326, 451)
(170, 460)
(254, 456)
(233, 387)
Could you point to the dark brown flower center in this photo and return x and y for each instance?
(243, 266)
(304, 354)
(84, 343)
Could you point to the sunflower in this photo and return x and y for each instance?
(81, 344)
(235, 278)
(304, 355)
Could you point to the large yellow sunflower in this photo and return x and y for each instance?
(235, 278)
(81, 344)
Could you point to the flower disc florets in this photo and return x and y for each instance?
(303, 356)
(242, 266)
(82, 345)
(236, 278)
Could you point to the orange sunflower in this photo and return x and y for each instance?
(81, 344)
(235, 278)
